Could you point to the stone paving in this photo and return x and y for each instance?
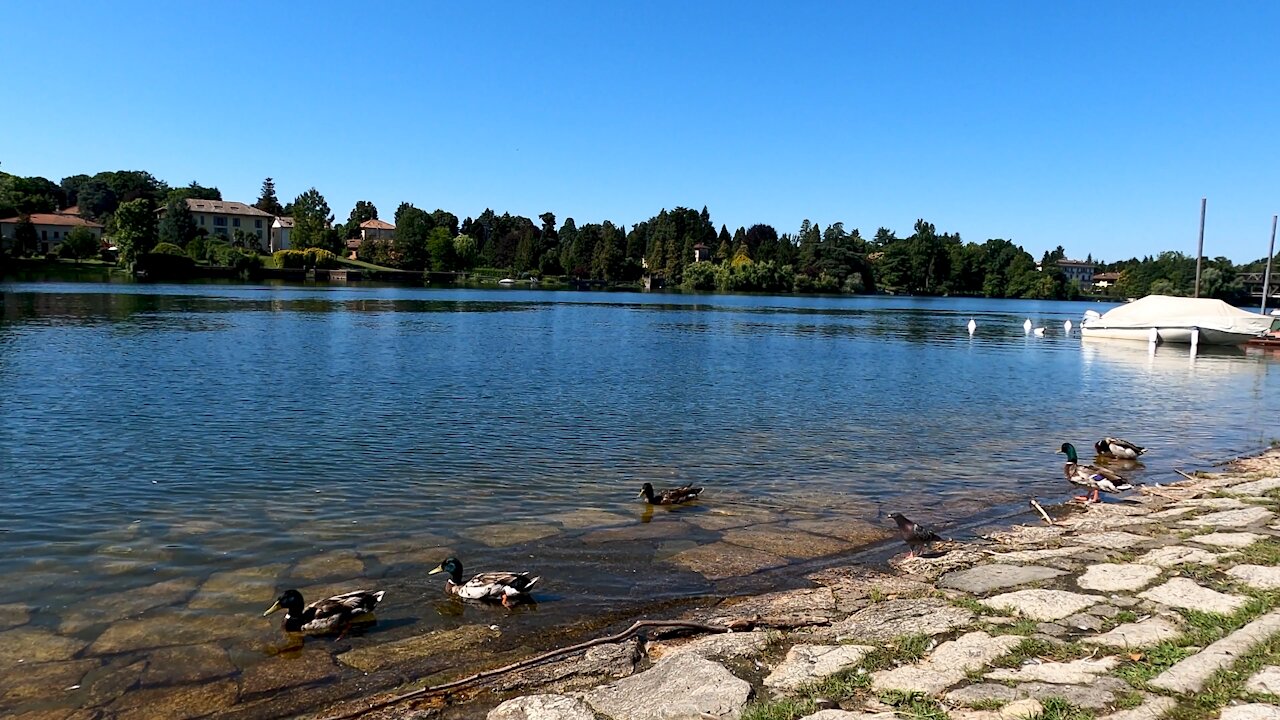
(1160, 603)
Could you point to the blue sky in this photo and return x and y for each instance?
(1097, 126)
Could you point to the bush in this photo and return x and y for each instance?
(285, 259)
(165, 265)
(702, 276)
(197, 248)
(320, 258)
(168, 249)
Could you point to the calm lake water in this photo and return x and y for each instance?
(175, 455)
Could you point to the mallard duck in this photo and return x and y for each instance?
(506, 587)
(325, 616)
(917, 537)
(672, 496)
(1118, 448)
(1091, 476)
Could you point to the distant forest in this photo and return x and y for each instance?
(679, 247)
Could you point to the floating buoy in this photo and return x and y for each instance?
(972, 326)
(1039, 332)
(1026, 326)
(1067, 327)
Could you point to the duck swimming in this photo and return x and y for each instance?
(1118, 448)
(505, 587)
(328, 615)
(1091, 476)
(672, 496)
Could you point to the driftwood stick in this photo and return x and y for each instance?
(1040, 509)
(1189, 477)
(735, 625)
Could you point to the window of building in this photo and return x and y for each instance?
(259, 234)
(219, 222)
(235, 222)
(220, 231)
(55, 234)
(44, 235)
(257, 224)
(202, 220)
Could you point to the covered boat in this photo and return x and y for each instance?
(1174, 319)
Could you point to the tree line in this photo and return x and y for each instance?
(679, 247)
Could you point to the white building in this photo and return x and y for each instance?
(51, 229)
(281, 229)
(221, 219)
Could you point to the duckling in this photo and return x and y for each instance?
(917, 537)
(506, 587)
(1091, 476)
(1118, 448)
(672, 496)
(325, 616)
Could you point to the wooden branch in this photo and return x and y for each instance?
(1040, 509)
(1189, 477)
(733, 625)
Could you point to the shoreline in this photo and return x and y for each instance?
(1026, 600)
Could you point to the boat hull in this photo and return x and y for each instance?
(1208, 336)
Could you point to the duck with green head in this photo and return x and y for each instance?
(1095, 478)
(328, 615)
(505, 587)
(670, 496)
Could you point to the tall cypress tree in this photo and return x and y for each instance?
(267, 200)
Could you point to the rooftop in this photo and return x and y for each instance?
(284, 222)
(56, 219)
(376, 224)
(225, 208)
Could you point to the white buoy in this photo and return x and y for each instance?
(1026, 326)
(1039, 332)
(972, 326)
(1195, 340)
(1154, 336)
(1066, 326)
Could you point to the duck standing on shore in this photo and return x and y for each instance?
(917, 537)
(672, 496)
(1095, 478)
(325, 616)
(505, 587)
(1118, 448)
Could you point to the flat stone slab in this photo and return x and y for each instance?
(1251, 711)
(1233, 540)
(947, 665)
(720, 560)
(1255, 488)
(894, 618)
(441, 642)
(1018, 556)
(542, 707)
(677, 687)
(1153, 708)
(33, 645)
(1190, 674)
(1242, 517)
(1076, 672)
(981, 693)
(1114, 540)
(841, 715)
(513, 533)
(1173, 555)
(1266, 680)
(1151, 631)
(806, 663)
(723, 645)
(1184, 593)
(1043, 605)
(1023, 709)
(1216, 503)
(785, 541)
(1258, 577)
(1097, 695)
(1112, 577)
(1172, 512)
(986, 578)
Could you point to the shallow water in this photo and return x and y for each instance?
(173, 456)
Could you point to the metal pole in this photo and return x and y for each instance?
(1200, 247)
(1266, 279)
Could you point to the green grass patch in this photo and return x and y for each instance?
(1029, 648)
(1154, 661)
(971, 604)
(914, 706)
(780, 709)
(854, 681)
(1128, 700)
(988, 704)
(1226, 685)
(1056, 708)
(1263, 552)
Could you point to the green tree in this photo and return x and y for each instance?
(194, 191)
(95, 198)
(178, 225)
(267, 200)
(135, 233)
(440, 249)
(311, 221)
(79, 243)
(465, 251)
(413, 229)
(25, 237)
(363, 211)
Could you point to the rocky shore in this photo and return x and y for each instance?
(1165, 603)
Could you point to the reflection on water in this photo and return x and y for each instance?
(175, 456)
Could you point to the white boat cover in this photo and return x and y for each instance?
(1164, 311)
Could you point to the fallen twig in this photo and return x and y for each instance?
(1040, 509)
(734, 625)
(1189, 477)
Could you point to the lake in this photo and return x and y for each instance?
(176, 455)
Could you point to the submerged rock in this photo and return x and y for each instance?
(181, 703)
(334, 564)
(12, 615)
(288, 670)
(33, 645)
(41, 681)
(441, 642)
(507, 534)
(187, 664)
(240, 588)
(720, 560)
(787, 542)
